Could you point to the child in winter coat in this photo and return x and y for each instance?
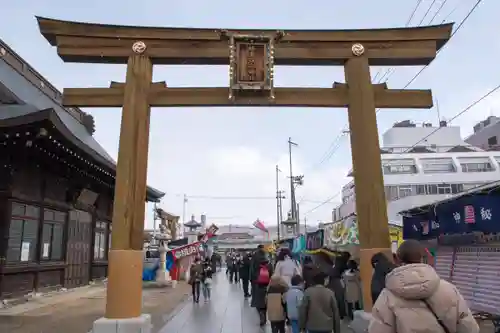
(276, 304)
(293, 298)
(318, 310)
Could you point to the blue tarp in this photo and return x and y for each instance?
(299, 244)
(149, 274)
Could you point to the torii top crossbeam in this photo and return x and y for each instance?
(104, 43)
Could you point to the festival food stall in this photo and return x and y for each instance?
(344, 236)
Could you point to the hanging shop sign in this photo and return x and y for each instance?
(421, 227)
(188, 250)
(461, 216)
(396, 234)
(314, 240)
(342, 233)
(469, 214)
(210, 233)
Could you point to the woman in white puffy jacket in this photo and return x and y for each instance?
(286, 266)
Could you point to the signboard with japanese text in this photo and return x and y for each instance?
(469, 214)
(422, 227)
(461, 216)
(251, 66)
(187, 250)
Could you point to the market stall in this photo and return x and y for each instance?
(467, 238)
(344, 236)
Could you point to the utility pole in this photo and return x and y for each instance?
(278, 195)
(298, 219)
(293, 203)
(281, 197)
(294, 181)
(305, 225)
(184, 204)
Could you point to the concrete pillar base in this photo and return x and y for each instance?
(361, 321)
(162, 276)
(140, 324)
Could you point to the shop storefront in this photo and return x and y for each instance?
(467, 238)
(344, 236)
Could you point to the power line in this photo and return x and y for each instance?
(387, 77)
(235, 197)
(334, 146)
(390, 71)
(323, 203)
(460, 25)
(438, 11)
(459, 4)
(469, 107)
(413, 13)
(490, 92)
(427, 12)
(210, 197)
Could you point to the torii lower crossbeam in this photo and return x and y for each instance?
(162, 96)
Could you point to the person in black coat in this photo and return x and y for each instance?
(334, 273)
(258, 257)
(259, 290)
(245, 273)
(381, 267)
(308, 271)
(213, 262)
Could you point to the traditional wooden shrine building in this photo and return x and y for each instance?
(56, 187)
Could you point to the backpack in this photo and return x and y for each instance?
(263, 277)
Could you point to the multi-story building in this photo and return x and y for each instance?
(423, 164)
(486, 134)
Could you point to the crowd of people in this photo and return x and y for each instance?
(316, 296)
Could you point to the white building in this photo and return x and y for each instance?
(416, 174)
(247, 237)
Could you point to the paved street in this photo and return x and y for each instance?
(227, 312)
(75, 311)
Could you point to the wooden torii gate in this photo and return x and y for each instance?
(251, 56)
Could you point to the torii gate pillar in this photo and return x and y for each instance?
(370, 200)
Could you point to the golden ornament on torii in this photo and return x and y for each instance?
(251, 56)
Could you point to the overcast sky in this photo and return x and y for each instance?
(214, 153)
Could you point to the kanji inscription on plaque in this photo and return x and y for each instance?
(251, 64)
